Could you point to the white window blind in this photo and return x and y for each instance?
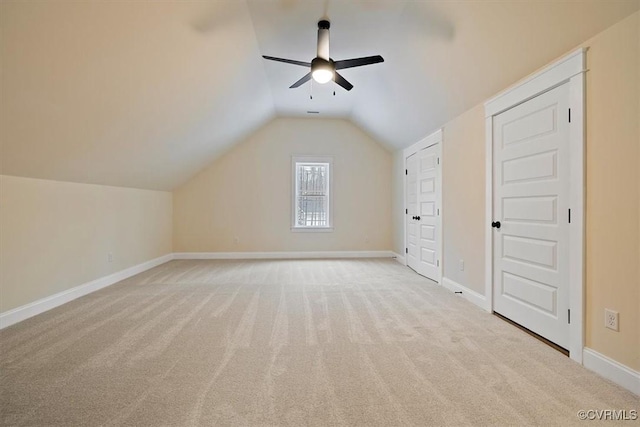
(312, 194)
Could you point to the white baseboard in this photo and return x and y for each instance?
(611, 370)
(470, 295)
(26, 311)
(283, 255)
(400, 258)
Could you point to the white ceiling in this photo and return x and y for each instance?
(145, 94)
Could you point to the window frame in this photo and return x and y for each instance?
(312, 159)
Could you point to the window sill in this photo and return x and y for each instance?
(312, 229)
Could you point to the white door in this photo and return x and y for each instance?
(531, 205)
(423, 176)
(412, 211)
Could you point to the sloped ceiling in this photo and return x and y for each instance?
(145, 94)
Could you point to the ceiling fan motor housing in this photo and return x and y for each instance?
(321, 63)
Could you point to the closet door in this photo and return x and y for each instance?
(423, 212)
(531, 215)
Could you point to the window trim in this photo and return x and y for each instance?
(311, 159)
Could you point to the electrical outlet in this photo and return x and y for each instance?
(110, 257)
(461, 265)
(611, 319)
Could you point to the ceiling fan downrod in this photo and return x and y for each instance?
(323, 39)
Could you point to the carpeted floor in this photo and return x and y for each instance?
(311, 342)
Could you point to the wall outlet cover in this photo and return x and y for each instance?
(611, 319)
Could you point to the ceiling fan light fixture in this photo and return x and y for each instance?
(322, 70)
(322, 76)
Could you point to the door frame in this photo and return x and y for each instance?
(570, 70)
(432, 139)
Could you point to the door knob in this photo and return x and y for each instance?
(496, 224)
(418, 218)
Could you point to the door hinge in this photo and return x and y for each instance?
(569, 316)
(438, 212)
(406, 171)
(406, 211)
(438, 160)
(569, 115)
(569, 216)
(406, 250)
(438, 263)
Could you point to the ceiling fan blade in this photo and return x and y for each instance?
(302, 81)
(287, 61)
(342, 81)
(358, 62)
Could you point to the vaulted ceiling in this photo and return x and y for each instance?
(147, 93)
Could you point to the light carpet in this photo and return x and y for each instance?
(287, 342)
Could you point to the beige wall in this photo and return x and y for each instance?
(613, 190)
(612, 199)
(247, 193)
(56, 235)
(463, 201)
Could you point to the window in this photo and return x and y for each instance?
(311, 194)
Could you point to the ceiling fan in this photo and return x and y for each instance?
(323, 68)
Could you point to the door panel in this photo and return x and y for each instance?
(529, 292)
(530, 209)
(531, 194)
